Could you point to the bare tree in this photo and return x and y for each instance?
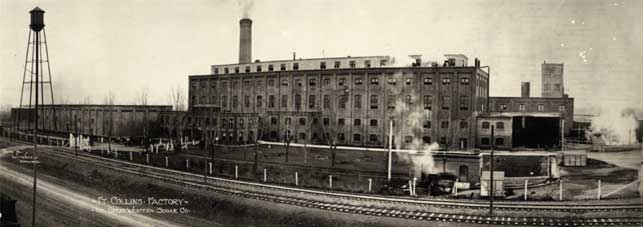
(142, 97)
(177, 99)
(109, 101)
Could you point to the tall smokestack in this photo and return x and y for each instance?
(245, 40)
(524, 91)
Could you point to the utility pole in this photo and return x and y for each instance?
(492, 192)
(390, 147)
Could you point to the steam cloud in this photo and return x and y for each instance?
(615, 125)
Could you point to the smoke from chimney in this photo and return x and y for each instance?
(245, 40)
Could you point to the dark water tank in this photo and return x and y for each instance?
(37, 19)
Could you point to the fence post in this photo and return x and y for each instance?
(210, 163)
(147, 158)
(115, 153)
(187, 164)
(330, 181)
(599, 189)
(236, 172)
(526, 183)
(370, 184)
(264, 175)
(455, 187)
(130, 156)
(296, 178)
(166, 162)
(410, 190)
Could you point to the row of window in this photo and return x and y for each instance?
(485, 141)
(295, 66)
(523, 107)
(499, 125)
(427, 101)
(340, 82)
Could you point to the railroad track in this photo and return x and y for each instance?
(393, 207)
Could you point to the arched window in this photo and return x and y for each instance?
(500, 125)
(485, 125)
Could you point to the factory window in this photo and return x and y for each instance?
(446, 81)
(357, 122)
(273, 120)
(464, 80)
(326, 121)
(271, 101)
(326, 101)
(284, 101)
(408, 139)
(283, 67)
(547, 87)
(464, 103)
(312, 82)
(427, 102)
(503, 106)
(246, 101)
(357, 102)
(410, 100)
(357, 138)
(391, 102)
(341, 82)
(358, 81)
(287, 121)
(213, 100)
(374, 102)
(298, 82)
(464, 124)
(541, 107)
(326, 81)
(342, 101)
(427, 124)
(315, 121)
(391, 81)
(259, 101)
(271, 83)
(443, 140)
(337, 64)
(484, 141)
(556, 87)
(485, 125)
(375, 81)
(351, 64)
(341, 121)
(311, 101)
(246, 84)
(224, 85)
(258, 68)
(295, 66)
(213, 84)
(341, 137)
(561, 108)
(522, 107)
(226, 70)
(235, 84)
(235, 101)
(444, 124)
(373, 123)
(284, 82)
(500, 141)
(273, 135)
(383, 62)
(236, 69)
(216, 71)
(322, 65)
(426, 139)
(302, 136)
(367, 63)
(302, 121)
(224, 101)
(372, 138)
(428, 81)
(409, 81)
(298, 101)
(271, 68)
(203, 84)
(446, 102)
(202, 101)
(500, 125)
(240, 123)
(259, 84)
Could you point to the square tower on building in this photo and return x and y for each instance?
(552, 80)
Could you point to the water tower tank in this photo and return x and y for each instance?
(37, 21)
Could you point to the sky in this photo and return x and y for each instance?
(127, 47)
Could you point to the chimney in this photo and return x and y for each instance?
(524, 90)
(245, 41)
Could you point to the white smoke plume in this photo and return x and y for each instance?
(246, 7)
(409, 122)
(615, 125)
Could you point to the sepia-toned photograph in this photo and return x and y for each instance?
(302, 113)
